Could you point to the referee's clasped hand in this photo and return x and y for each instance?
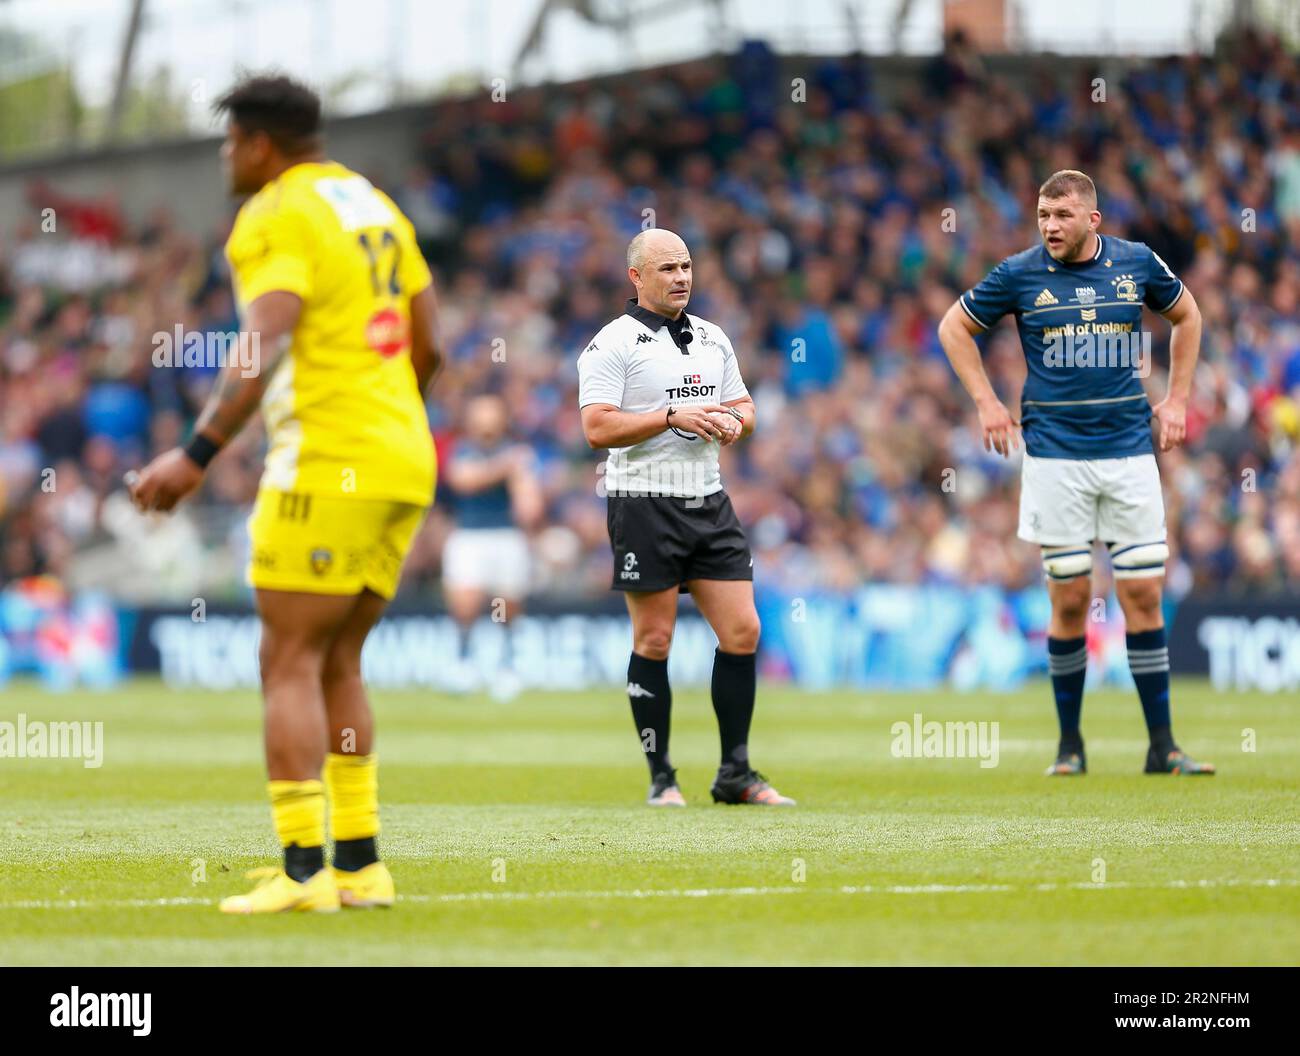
(703, 420)
(732, 427)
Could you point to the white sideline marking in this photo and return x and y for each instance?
(689, 892)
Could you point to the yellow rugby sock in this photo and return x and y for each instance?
(299, 811)
(353, 785)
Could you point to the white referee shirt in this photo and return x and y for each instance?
(635, 365)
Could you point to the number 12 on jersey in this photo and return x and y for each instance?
(385, 254)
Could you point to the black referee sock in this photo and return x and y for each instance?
(734, 686)
(652, 705)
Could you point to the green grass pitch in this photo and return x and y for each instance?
(517, 835)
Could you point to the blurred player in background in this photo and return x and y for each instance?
(337, 304)
(1089, 470)
(485, 561)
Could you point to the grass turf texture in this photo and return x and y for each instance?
(550, 788)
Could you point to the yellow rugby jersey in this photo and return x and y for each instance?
(343, 412)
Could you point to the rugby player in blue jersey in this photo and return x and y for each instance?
(1089, 470)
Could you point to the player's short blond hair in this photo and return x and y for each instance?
(1067, 182)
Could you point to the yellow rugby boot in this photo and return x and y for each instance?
(366, 887)
(277, 893)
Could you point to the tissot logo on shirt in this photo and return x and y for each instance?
(690, 387)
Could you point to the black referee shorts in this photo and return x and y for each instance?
(661, 541)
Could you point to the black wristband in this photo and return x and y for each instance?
(668, 417)
(200, 450)
(736, 415)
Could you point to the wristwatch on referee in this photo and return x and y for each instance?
(668, 421)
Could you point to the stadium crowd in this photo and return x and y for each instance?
(830, 230)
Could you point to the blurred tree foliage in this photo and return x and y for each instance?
(41, 111)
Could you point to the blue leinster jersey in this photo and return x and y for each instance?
(1081, 331)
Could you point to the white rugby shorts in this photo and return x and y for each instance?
(493, 560)
(1065, 501)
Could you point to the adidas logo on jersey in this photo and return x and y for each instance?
(1045, 298)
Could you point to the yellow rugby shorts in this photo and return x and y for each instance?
(325, 544)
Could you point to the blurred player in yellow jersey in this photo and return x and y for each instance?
(338, 314)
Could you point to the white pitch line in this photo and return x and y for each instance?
(695, 892)
(112, 903)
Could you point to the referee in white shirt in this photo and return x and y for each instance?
(662, 391)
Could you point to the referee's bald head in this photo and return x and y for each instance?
(659, 265)
(651, 242)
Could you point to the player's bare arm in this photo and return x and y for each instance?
(1184, 350)
(272, 318)
(175, 474)
(957, 335)
(606, 426)
(426, 354)
(527, 499)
